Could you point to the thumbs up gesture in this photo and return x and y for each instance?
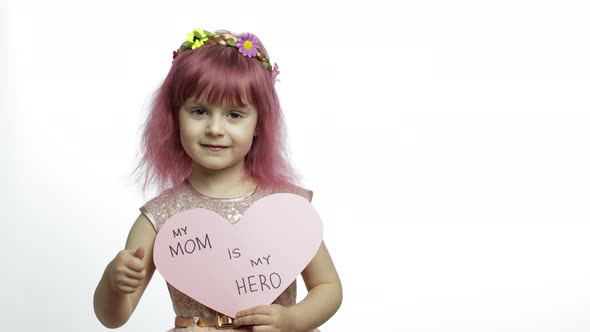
(127, 270)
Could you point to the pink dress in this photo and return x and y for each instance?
(183, 197)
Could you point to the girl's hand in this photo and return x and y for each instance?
(267, 318)
(127, 271)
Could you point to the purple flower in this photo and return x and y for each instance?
(248, 45)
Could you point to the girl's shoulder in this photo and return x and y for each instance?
(168, 196)
(293, 189)
(166, 204)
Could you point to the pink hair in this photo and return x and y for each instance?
(218, 75)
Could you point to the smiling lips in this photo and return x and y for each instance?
(212, 147)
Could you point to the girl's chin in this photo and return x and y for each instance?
(212, 166)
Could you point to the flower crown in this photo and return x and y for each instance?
(247, 44)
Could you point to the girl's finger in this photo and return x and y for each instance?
(261, 309)
(139, 253)
(130, 283)
(126, 289)
(135, 264)
(135, 275)
(257, 319)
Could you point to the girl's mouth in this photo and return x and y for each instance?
(214, 147)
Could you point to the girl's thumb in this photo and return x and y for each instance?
(139, 252)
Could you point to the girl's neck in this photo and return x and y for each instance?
(226, 183)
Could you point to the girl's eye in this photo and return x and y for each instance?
(235, 115)
(199, 111)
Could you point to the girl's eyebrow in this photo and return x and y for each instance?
(246, 108)
(194, 103)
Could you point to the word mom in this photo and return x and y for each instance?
(189, 246)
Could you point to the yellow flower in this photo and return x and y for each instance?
(197, 38)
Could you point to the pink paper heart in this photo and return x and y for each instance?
(234, 267)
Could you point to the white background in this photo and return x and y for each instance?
(447, 143)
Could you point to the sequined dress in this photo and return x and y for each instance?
(183, 197)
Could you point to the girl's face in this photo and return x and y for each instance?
(217, 137)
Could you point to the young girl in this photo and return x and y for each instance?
(214, 138)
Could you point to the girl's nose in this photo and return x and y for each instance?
(214, 126)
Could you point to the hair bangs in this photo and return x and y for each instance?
(218, 75)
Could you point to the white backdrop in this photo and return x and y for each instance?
(447, 143)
